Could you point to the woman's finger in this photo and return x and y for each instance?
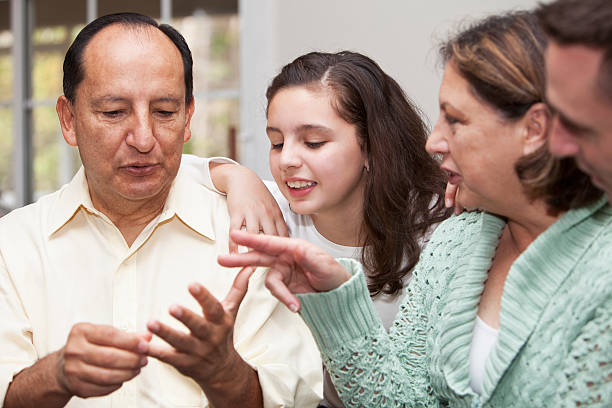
(279, 290)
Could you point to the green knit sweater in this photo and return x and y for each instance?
(554, 346)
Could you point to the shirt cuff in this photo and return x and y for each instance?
(340, 315)
(7, 374)
(275, 380)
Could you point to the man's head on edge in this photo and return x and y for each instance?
(127, 105)
(579, 83)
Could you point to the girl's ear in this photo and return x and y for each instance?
(537, 122)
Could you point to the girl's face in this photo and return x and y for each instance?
(315, 156)
(478, 147)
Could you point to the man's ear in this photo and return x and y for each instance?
(188, 114)
(65, 113)
(536, 124)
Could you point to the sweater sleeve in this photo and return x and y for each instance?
(369, 367)
(586, 377)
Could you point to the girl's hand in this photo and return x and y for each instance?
(249, 201)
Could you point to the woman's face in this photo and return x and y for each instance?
(478, 146)
(315, 156)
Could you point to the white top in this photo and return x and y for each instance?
(483, 340)
(300, 226)
(63, 262)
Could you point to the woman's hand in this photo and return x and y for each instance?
(249, 202)
(295, 266)
(450, 198)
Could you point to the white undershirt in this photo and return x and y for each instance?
(483, 340)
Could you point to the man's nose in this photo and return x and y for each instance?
(140, 134)
(560, 142)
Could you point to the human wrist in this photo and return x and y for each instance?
(60, 385)
(229, 381)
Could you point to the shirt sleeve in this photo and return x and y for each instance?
(15, 333)
(279, 346)
(198, 168)
(368, 366)
(586, 376)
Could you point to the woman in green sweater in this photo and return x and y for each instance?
(511, 303)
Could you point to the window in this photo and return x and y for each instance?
(211, 29)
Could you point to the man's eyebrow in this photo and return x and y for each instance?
(107, 99)
(568, 123)
(171, 99)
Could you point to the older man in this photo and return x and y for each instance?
(579, 83)
(88, 269)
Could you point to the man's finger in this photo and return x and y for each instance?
(239, 288)
(193, 321)
(169, 355)
(211, 307)
(105, 377)
(177, 339)
(110, 336)
(112, 358)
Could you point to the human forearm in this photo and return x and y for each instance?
(37, 386)
(237, 386)
(368, 366)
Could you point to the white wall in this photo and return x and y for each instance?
(401, 35)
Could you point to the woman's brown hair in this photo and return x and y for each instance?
(404, 186)
(502, 58)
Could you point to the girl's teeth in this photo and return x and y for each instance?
(300, 184)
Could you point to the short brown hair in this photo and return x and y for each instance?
(502, 58)
(585, 22)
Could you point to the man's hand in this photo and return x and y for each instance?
(295, 266)
(207, 352)
(97, 359)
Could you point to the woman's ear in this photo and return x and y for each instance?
(536, 123)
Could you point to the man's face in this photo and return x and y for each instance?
(582, 127)
(129, 117)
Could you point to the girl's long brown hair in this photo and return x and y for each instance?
(404, 186)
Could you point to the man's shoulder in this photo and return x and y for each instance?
(31, 215)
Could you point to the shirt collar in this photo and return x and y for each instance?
(71, 198)
(191, 203)
(187, 200)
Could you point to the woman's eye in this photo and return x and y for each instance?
(276, 146)
(314, 145)
(451, 120)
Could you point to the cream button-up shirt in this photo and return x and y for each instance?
(63, 262)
